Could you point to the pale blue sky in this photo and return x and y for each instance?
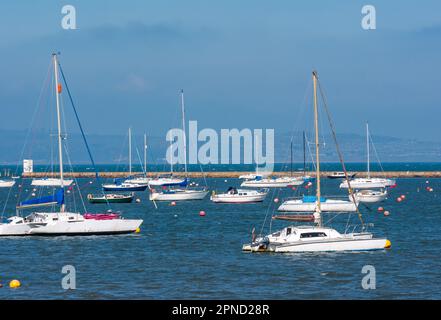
(242, 63)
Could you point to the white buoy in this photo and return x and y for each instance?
(138, 200)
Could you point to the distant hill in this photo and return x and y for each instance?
(113, 149)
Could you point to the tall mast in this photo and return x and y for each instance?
(317, 151)
(60, 137)
(145, 153)
(368, 151)
(130, 150)
(304, 154)
(185, 132)
(291, 158)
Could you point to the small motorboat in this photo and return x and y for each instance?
(370, 196)
(111, 198)
(341, 175)
(234, 195)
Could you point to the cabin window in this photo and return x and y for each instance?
(71, 218)
(288, 231)
(54, 219)
(18, 222)
(312, 234)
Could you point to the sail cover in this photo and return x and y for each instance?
(56, 198)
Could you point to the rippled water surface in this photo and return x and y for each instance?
(180, 255)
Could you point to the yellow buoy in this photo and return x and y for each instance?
(388, 244)
(138, 230)
(14, 284)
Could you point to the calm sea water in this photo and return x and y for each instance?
(180, 255)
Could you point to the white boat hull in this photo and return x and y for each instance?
(234, 198)
(9, 229)
(272, 183)
(88, 227)
(51, 182)
(329, 205)
(370, 197)
(364, 183)
(331, 246)
(316, 239)
(165, 181)
(178, 196)
(6, 183)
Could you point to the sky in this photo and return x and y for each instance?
(242, 64)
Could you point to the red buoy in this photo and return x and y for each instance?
(399, 199)
(202, 213)
(380, 209)
(403, 196)
(386, 213)
(276, 200)
(172, 203)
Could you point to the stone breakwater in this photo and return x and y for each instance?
(234, 174)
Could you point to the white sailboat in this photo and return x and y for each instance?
(370, 196)
(141, 179)
(368, 182)
(179, 194)
(126, 184)
(64, 222)
(315, 238)
(234, 195)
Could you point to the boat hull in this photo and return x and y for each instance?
(6, 184)
(271, 184)
(51, 182)
(125, 188)
(222, 198)
(324, 246)
(328, 206)
(370, 198)
(178, 196)
(87, 227)
(368, 183)
(111, 200)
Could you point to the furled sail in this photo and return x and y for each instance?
(56, 198)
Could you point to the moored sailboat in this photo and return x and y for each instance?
(316, 238)
(169, 191)
(62, 222)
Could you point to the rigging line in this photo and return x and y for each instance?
(82, 131)
(66, 149)
(340, 156)
(376, 154)
(78, 121)
(33, 119)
